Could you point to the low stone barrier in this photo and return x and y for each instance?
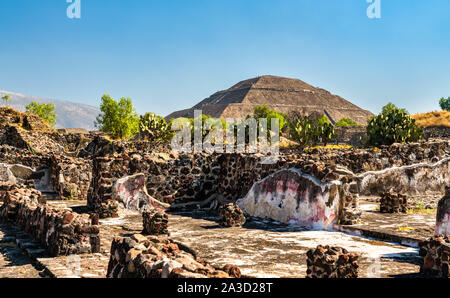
(435, 254)
(70, 177)
(419, 178)
(393, 203)
(60, 231)
(331, 262)
(160, 257)
(155, 222)
(231, 216)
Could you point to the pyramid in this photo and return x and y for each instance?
(280, 94)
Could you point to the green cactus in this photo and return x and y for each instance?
(154, 127)
(307, 131)
(393, 125)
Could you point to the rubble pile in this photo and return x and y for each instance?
(9, 116)
(331, 262)
(60, 231)
(351, 213)
(231, 215)
(435, 254)
(393, 203)
(155, 222)
(160, 257)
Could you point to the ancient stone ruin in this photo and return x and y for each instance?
(68, 195)
(331, 262)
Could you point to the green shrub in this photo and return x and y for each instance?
(45, 111)
(118, 119)
(445, 103)
(265, 112)
(393, 125)
(347, 122)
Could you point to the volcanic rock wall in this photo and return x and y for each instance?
(61, 231)
(187, 178)
(419, 178)
(71, 177)
(159, 257)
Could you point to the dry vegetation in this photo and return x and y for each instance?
(433, 119)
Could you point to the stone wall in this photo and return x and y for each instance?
(71, 177)
(437, 132)
(435, 255)
(350, 135)
(331, 262)
(187, 178)
(193, 178)
(160, 257)
(60, 231)
(419, 178)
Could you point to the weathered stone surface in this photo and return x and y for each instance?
(158, 257)
(70, 177)
(443, 215)
(435, 256)
(331, 262)
(60, 231)
(155, 222)
(231, 215)
(393, 203)
(418, 178)
(290, 196)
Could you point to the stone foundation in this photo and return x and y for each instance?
(435, 255)
(393, 203)
(231, 216)
(155, 222)
(60, 231)
(331, 262)
(159, 257)
(70, 177)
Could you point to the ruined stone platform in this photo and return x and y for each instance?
(262, 248)
(406, 228)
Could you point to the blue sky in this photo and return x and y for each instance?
(170, 54)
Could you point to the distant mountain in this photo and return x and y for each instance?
(70, 114)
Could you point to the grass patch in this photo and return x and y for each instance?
(405, 229)
(433, 119)
(337, 147)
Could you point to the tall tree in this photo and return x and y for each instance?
(118, 119)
